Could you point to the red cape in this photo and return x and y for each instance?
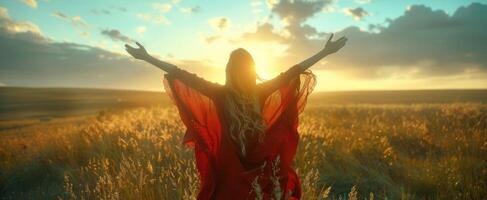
(223, 172)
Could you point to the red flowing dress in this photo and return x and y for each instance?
(223, 171)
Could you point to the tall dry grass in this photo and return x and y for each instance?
(345, 152)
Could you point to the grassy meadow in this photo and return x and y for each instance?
(376, 145)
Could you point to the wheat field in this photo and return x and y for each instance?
(419, 151)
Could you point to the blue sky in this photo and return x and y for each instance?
(180, 31)
(165, 38)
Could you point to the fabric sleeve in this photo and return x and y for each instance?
(203, 129)
(280, 111)
(197, 110)
(270, 86)
(195, 82)
(293, 89)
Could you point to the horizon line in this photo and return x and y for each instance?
(163, 91)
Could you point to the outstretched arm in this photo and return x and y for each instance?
(192, 80)
(141, 54)
(330, 48)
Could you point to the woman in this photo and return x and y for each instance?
(244, 134)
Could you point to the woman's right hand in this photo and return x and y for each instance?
(138, 53)
(334, 46)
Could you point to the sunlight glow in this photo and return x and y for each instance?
(266, 57)
(327, 80)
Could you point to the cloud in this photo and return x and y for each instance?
(174, 4)
(330, 7)
(190, 10)
(256, 6)
(203, 68)
(255, 3)
(162, 7)
(296, 34)
(263, 33)
(30, 59)
(85, 34)
(157, 19)
(76, 21)
(30, 3)
(27, 58)
(24, 30)
(119, 8)
(100, 11)
(15, 27)
(141, 30)
(219, 23)
(211, 39)
(363, 1)
(357, 13)
(297, 11)
(115, 35)
(420, 43)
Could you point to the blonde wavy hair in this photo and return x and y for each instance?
(242, 108)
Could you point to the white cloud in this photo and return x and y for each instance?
(357, 13)
(162, 7)
(331, 7)
(76, 21)
(16, 27)
(271, 3)
(85, 34)
(363, 1)
(189, 10)
(255, 3)
(219, 23)
(140, 30)
(212, 38)
(256, 6)
(157, 19)
(30, 3)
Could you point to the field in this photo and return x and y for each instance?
(352, 146)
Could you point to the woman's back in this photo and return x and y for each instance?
(225, 171)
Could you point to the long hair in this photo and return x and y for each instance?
(243, 112)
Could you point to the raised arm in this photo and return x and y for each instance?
(329, 48)
(192, 80)
(141, 54)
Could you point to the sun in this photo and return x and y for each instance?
(266, 58)
(263, 66)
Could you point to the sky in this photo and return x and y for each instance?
(393, 45)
